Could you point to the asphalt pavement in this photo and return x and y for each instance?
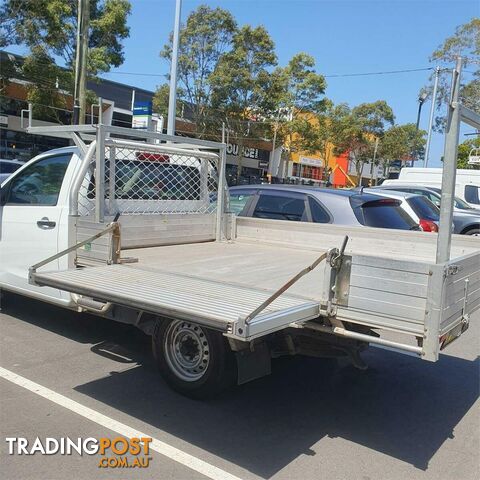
(311, 419)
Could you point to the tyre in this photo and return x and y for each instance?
(474, 231)
(194, 361)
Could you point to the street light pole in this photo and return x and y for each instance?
(430, 122)
(421, 101)
(79, 97)
(172, 99)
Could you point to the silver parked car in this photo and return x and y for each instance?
(320, 205)
(466, 219)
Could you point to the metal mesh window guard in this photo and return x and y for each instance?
(151, 179)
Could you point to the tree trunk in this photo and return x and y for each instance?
(359, 169)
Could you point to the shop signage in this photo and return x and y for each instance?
(312, 162)
(142, 115)
(232, 149)
(263, 164)
(4, 120)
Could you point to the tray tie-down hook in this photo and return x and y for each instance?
(336, 258)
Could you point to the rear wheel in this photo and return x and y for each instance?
(194, 361)
(474, 232)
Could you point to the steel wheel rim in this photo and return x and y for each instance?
(187, 351)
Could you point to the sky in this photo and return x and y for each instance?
(344, 36)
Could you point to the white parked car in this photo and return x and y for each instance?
(420, 208)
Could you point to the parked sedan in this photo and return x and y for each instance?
(466, 219)
(320, 205)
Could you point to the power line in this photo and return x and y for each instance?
(388, 72)
(139, 74)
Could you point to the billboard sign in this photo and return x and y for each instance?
(142, 115)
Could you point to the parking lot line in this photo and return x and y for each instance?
(158, 446)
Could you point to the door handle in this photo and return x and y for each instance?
(45, 223)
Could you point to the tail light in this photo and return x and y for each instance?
(428, 225)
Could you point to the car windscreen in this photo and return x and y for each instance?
(9, 167)
(383, 213)
(424, 208)
(459, 203)
(472, 194)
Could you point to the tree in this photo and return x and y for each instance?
(48, 28)
(299, 90)
(401, 142)
(48, 82)
(8, 71)
(161, 99)
(206, 36)
(356, 130)
(464, 150)
(242, 83)
(465, 42)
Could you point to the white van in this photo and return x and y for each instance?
(467, 185)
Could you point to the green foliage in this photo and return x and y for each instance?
(52, 26)
(7, 71)
(241, 81)
(356, 130)
(48, 28)
(373, 117)
(205, 37)
(298, 90)
(47, 83)
(464, 150)
(402, 142)
(304, 88)
(465, 42)
(160, 99)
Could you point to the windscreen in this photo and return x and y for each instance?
(459, 203)
(424, 208)
(384, 213)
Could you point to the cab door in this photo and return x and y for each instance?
(33, 201)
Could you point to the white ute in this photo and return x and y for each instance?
(137, 231)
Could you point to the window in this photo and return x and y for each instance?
(238, 201)
(39, 183)
(384, 213)
(307, 171)
(424, 209)
(471, 194)
(9, 167)
(319, 214)
(434, 198)
(280, 207)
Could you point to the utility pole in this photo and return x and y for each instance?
(274, 144)
(372, 165)
(172, 99)
(79, 97)
(432, 112)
